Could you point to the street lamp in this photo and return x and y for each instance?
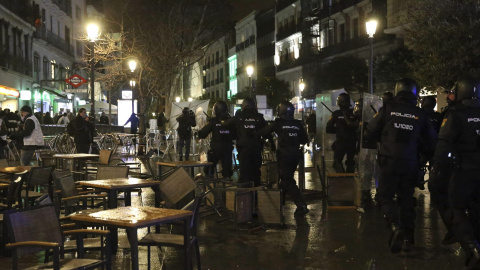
(371, 28)
(132, 86)
(301, 86)
(92, 33)
(250, 73)
(132, 64)
(190, 99)
(177, 99)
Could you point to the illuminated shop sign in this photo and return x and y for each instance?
(4, 90)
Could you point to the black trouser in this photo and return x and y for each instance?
(398, 177)
(250, 159)
(224, 155)
(340, 149)
(288, 160)
(438, 188)
(184, 142)
(83, 148)
(464, 190)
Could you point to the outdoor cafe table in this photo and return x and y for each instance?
(112, 186)
(133, 218)
(186, 164)
(61, 158)
(13, 170)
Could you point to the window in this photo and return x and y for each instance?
(36, 67)
(221, 75)
(355, 28)
(342, 33)
(67, 35)
(67, 72)
(53, 64)
(45, 68)
(78, 13)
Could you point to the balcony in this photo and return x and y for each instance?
(284, 32)
(327, 11)
(221, 59)
(54, 40)
(217, 81)
(21, 8)
(64, 5)
(16, 63)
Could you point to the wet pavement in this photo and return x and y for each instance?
(326, 238)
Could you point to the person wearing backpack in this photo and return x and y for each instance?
(81, 131)
(185, 123)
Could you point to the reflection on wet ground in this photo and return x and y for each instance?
(324, 239)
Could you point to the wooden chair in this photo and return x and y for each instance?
(111, 172)
(177, 240)
(91, 167)
(38, 183)
(13, 198)
(28, 236)
(74, 200)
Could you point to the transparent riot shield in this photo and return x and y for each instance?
(366, 159)
(326, 104)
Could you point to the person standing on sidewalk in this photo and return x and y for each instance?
(185, 123)
(31, 134)
(82, 132)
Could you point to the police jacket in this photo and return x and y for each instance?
(435, 118)
(291, 133)
(459, 136)
(247, 125)
(403, 130)
(83, 130)
(338, 125)
(222, 136)
(185, 123)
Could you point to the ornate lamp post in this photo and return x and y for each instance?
(250, 73)
(92, 33)
(371, 28)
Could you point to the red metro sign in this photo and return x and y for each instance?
(75, 80)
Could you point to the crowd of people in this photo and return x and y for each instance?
(409, 140)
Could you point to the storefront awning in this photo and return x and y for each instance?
(9, 91)
(55, 93)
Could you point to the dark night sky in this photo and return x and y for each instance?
(241, 8)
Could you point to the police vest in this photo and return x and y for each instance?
(291, 133)
(36, 138)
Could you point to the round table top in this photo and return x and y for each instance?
(12, 170)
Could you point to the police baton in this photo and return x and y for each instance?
(373, 108)
(326, 107)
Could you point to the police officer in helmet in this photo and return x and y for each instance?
(342, 123)
(291, 137)
(247, 124)
(459, 136)
(401, 128)
(221, 144)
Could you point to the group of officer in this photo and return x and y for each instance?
(409, 137)
(251, 131)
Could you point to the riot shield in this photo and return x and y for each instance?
(366, 159)
(326, 104)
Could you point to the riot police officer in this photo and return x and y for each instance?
(401, 128)
(247, 123)
(221, 143)
(459, 136)
(291, 136)
(346, 134)
(185, 123)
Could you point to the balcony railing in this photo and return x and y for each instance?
(21, 8)
(16, 63)
(64, 5)
(56, 41)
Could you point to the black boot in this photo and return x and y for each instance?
(472, 249)
(301, 210)
(396, 238)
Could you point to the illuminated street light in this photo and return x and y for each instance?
(190, 99)
(132, 64)
(371, 28)
(177, 99)
(92, 33)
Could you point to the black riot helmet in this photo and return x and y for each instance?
(249, 104)
(343, 100)
(387, 97)
(285, 108)
(357, 109)
(220, 108)
(466, 88)
(185, 110)
(408, 85)
(429, 103)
